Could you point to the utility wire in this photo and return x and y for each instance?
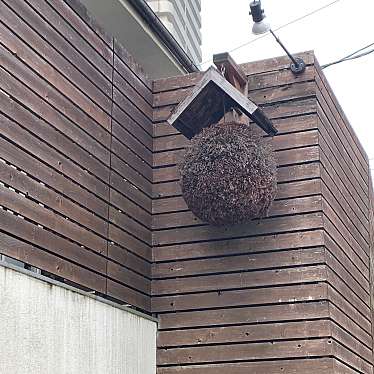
(279, 28)
(351, 56)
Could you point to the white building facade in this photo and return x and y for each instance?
(183, 19)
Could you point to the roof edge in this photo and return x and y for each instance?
(163, 33)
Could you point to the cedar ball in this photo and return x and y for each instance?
(228, 174)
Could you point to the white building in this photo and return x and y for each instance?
(163, 36)
(183, 19)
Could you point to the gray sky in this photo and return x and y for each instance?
(332, 33)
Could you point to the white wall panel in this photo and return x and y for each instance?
(46, 328)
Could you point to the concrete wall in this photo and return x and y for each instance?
(48, 328)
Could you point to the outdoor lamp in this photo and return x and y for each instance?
(260, 26)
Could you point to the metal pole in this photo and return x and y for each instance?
(284, 48)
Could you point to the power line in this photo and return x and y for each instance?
(279, 28)
(351, 56)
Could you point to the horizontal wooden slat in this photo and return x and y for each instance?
(41, 172)
(50, 242)
(129, 296)
(227, 298)
(315, 366)
(53, 137)
(261, 95)
(84, 32)
(40, 150)
(275, 260)
(284, 126)
(166, 220)
(48, 219)
(245, 333)
(239, 246)
(32, 92)
(30, 187)
(276, 64)
(245, 278)
(253, 351)
(131, 126)
(36, 257)
(129, 278)
(143, 104)
(129, 260)
(350, 325)
(140, 119)
(129, 242)
(92, 48)
(245, 315)
(278, 143)
(128, 224)
(260, 227)
(279, 78)
(63, 73)
(283, 158)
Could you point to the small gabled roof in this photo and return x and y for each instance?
(211, 98)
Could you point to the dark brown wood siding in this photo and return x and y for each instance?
(346, 205)
(89, 192)
(279, 294)
(76, 151)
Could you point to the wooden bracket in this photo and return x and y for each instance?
(231, 71)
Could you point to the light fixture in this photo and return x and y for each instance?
(260, 26)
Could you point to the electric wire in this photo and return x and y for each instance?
(352, 56)
(278, 28)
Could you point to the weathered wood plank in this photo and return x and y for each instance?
(84, 32)
(64, 71)
(315, 366)
(257, 261)
(247, 297)
(23, 183)
(49, 262)
(41, 172)
(246, 333)
(47, 103)
(252, 351)
(245, 315)
(237, 246)
(243, 279)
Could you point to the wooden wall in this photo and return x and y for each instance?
(75, 150)
(89, 191)
(284, 294)
(345, 189)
